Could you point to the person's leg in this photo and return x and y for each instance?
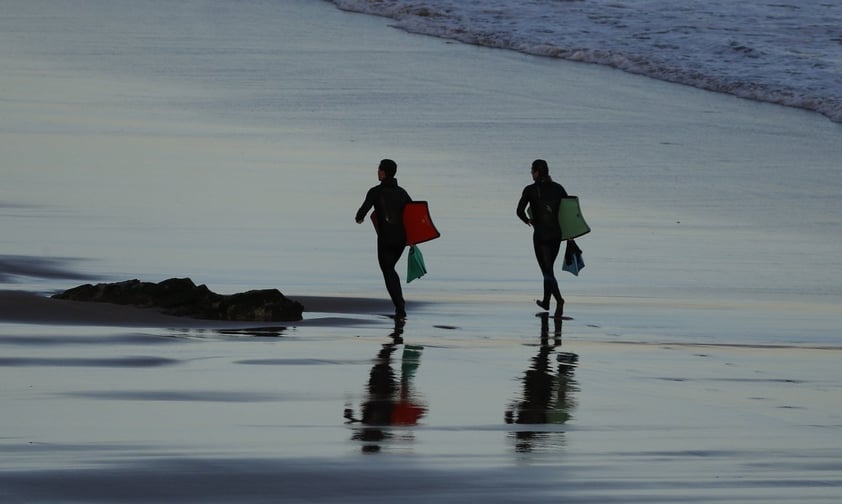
(387, 257)
(552, 254)
(541, 257)
(546, 253)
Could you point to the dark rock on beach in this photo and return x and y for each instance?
(181, 297)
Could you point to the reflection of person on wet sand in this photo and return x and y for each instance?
(390, 401)
(547, 393)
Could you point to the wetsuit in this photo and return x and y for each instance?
(388, 200)
(544, 199)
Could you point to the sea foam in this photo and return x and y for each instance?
(784, 52)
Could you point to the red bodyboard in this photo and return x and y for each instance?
(419, 226)
(417, 222)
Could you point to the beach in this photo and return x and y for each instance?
(232, 143)
(232, 413)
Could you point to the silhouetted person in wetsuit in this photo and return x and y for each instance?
(543, 197)
(388, 200)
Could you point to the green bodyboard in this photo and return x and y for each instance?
(570, 219)
(415, 267)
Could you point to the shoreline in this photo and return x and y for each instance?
(30, 308)
(626, 60)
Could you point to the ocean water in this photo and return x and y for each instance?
(787, 52)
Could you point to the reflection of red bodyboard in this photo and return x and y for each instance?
(407, 413)
(416, 219)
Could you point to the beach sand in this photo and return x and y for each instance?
(104, 403)
(699, 364)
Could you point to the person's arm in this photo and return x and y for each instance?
(521, 207)
(366, 206)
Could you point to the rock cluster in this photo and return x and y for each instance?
(181, 297)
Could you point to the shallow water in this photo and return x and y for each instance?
(100, 415)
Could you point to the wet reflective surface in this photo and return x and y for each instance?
(390, 406)
(513, 408)
(549, 390)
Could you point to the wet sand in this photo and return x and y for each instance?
(104, 403)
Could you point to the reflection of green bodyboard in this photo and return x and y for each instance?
(570, 219)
